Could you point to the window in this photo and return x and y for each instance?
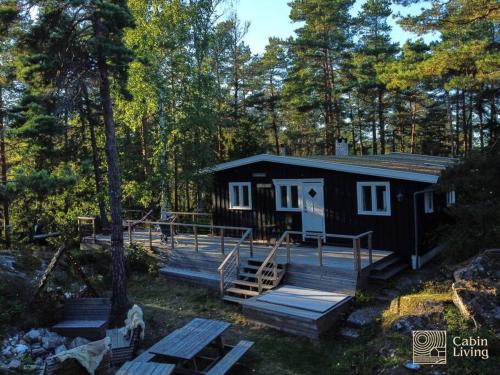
(450, 198)
(374, 198)
(240, 195)
(287, 195)
(429, 202)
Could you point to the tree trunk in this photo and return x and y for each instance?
(119, 281)
(274, 124)
(457, 122)
(95, 158)
(381, 121)
(144, 145)
(3, 166)
(327, 105)
(449, 119)
(374, 134)
(413, 136)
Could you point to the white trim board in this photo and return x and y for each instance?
(328, 165)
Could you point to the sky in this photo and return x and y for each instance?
(270, 18)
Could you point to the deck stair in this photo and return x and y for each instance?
(387, 268)
(246, 284)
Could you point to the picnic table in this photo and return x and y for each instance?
(186, 348)
(187, 342)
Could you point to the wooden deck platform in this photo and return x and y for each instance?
(301, 253)
(300, 311)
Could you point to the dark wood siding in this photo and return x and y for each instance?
(394, 233)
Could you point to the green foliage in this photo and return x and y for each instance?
(474, 221)
(140, 261)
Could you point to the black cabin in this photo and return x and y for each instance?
(393, 195)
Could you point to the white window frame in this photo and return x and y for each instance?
(450, 198)
(288, 183)
(373, 185)
(429, 202)
(240, 186)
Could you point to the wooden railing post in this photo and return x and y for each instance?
(357, 258)
(172, 235)
(93, 230)
(251, 243)
(211, 226)
(195, 230)
(222, 282)
(222, 240)
(288, 255)
(129, 233)
(259, 281)
(370, 248)
(320, 250)
(150, 236)
(275, 271)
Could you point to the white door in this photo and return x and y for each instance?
(313, 208)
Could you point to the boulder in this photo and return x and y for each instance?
(21, 349)
(14, 364)
(475, 290)
(365, 316)
(52, 340)
(32, 336)
(350, 333)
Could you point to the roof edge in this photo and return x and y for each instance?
(335, 166)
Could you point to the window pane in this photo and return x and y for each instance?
(246, 200)
(381, 198)
(283, 196)
(236, 196)
(295, 196)
(367, 198)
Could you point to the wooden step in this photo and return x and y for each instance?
(253, 276)
(251, 284)
(385, 263)
(233, 299)
(256, 268)
(390, 272)
(259, 262)
(244, 292)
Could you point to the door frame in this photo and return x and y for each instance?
(321, 182)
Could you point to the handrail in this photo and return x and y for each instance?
(235, 248)
(234, 255)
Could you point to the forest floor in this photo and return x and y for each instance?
(384, 345)
(378, 350)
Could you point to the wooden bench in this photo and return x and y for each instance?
(230, 359)
(85, 317)
(145, 368)
(123, 348)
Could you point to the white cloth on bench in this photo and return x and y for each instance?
(89, 355)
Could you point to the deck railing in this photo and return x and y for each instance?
(174, 229)
(268, 271)
(230, 267)
(85, 221)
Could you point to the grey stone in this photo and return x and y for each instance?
(33, 335)
(7, 262)
(52, 340)
(78, 341)
(38, 352)
(60, 349)
(14, 364)
(410, 323)
(365, 316)
(7, 352)
(349, 332)
(22, 349)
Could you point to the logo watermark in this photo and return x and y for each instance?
(430, 347)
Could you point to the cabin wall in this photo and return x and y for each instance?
(393, 233)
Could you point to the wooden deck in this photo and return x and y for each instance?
(300, 311)
(302, 254)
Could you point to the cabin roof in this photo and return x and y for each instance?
(412, 167)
